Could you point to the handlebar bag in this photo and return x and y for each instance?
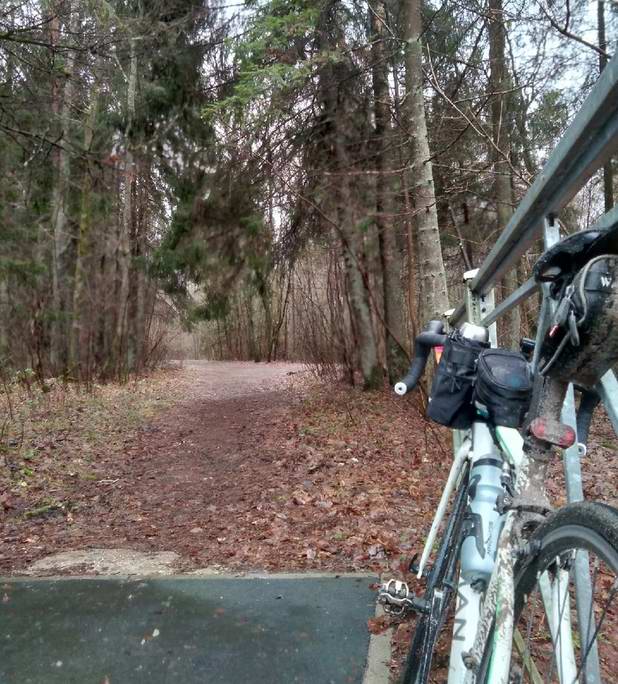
(450, 400)
(584, 344)
(503, 387)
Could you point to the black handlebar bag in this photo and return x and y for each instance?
(582, 343)
(450, 401)
(503, 387)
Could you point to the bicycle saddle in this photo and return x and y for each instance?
(569, 255)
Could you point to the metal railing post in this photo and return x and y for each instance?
(478, 306)
(575, 491)
(608, 391)
(581, 570)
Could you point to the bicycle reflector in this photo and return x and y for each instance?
(553, 432)
(437, 352)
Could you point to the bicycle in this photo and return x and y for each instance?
(535, 587)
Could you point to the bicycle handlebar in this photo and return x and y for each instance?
(432, 336)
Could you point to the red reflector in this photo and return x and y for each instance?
(553, 432)
(438, 353)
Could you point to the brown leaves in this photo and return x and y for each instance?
(330, 486)
(300, 497)
(378, 625)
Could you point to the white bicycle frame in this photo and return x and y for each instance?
(477, 445)
(476, 613)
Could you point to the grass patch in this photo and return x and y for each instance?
(60, 435)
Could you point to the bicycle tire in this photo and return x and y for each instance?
(442, 575)
(575, 528)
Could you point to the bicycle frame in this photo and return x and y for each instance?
(467, 624)
(497, 610)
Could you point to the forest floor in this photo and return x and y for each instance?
(234, 467)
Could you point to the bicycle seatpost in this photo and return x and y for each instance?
(432, 336)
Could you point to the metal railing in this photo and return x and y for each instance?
(589, 142)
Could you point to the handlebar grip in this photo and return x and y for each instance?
(408, 383)
(432, 336)
(434, 327)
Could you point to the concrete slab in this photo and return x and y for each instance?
(310, 630)
(107, 562)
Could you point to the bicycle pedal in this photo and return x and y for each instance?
(553, 432)
(397, 599)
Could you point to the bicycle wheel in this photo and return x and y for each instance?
(441, 587)
(579, 539)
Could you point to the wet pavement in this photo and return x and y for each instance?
(276, 629)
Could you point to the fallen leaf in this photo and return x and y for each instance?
(300, 497)
(378, 625)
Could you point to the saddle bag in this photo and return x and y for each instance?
(450, 401)
(503, 387)
(582, 343)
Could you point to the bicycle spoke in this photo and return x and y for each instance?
(598, 628)
(549, 650)
(590, 641)
(528, 663)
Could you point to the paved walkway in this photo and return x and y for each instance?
(277, 629)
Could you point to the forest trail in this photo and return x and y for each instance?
(186, 472)
(192, 466)
(224, 467)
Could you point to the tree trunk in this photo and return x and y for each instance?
(499, 84)
(4, 318)
(406, 237)
(353, 259)
(124, 244)
(432, 277)
(390, 256)
(60, 199)
(342, 139)
(265, 298)
(82, 319)
(253, 347)
(138, 323)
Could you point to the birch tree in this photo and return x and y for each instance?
(432, 277)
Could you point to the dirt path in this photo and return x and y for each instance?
(184, 475)
(250, 467)
(192, 470)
